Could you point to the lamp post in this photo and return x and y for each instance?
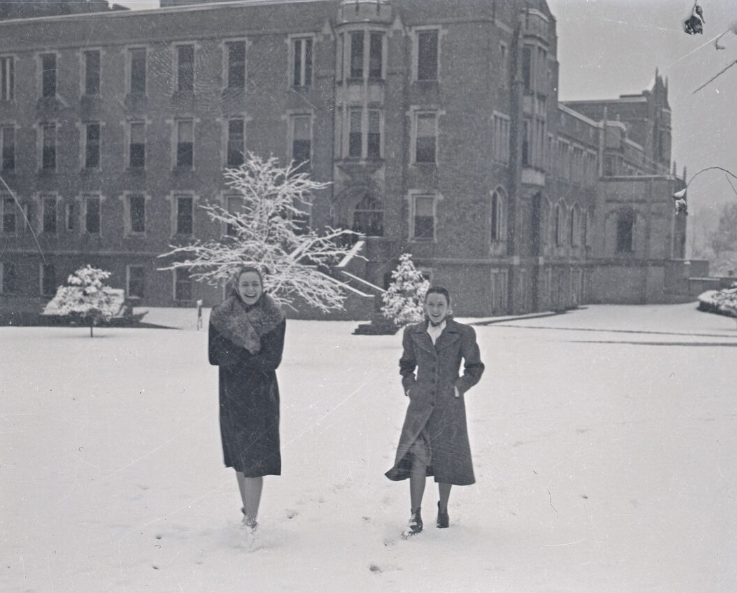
(680, 196)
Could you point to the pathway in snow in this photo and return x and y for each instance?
(604, 443)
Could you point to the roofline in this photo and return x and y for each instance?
(622, 99)
(563, 107)
(168, 10)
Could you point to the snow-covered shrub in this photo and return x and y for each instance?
(85, 297)
(403, 300)
(267, 230)
(721, 302)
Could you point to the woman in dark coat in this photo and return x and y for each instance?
(246, 340)
(434, 440)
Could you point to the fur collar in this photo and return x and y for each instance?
(245, 326)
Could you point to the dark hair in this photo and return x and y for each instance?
(438, 290)
(233, 282)
(243, 269)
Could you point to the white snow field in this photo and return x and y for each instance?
(604, 440)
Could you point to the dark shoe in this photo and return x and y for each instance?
(443, 519)
(415, 524)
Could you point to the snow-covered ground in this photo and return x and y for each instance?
(605, 444)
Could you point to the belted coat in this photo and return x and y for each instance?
(429, 375)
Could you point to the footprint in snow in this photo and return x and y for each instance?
(376, 569)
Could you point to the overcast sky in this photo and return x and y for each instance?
(612, 47)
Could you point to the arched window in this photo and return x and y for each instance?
(574, 228)
(588, 228)
(559, 223)
(625, 231)
(497, 215)
(368, 217)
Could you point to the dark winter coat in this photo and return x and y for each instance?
(249, 402)
(429, 374)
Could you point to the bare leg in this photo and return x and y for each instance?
(417, 479)
(444, 492)
(250, 494)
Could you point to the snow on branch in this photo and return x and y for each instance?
(267, 230)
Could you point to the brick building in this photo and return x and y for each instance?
(438, 124)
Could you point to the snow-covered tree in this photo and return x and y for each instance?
(267, 231)
(85, 297)
(404, 299)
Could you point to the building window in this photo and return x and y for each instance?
(48, 75)
(527, 68)
(92, 215)
(185, 215)
(48, 149)
(185, 68)
(48, 280)
(9, 216)
(137, 64)
(302, 62)
(500, 139)
(427, 54)
(236, 142)
(573, 226)
(368, 217)
(374, 134)
(625, 232)
(137, 145)
(9, 278)
(92, 146)
(234, 205)
(526, 156)
(71, 215)
(92, 72)
(7, 140)
(135, 281)
(376, 59)
(587, 228)
(7, 78)
(301, 140)
(356, 54)
(49, 214)
(423, 218)
(355, 135)
(559, 224)
(29, 215)
(137, 214)
(503, 64)
(185, 143)
(497, 215)
(236, 64)
(426, 141)
(182, 285)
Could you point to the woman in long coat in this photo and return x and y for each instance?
(246, 340)
(434, 439)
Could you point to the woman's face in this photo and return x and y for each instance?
(436, 307)
(249, 287)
